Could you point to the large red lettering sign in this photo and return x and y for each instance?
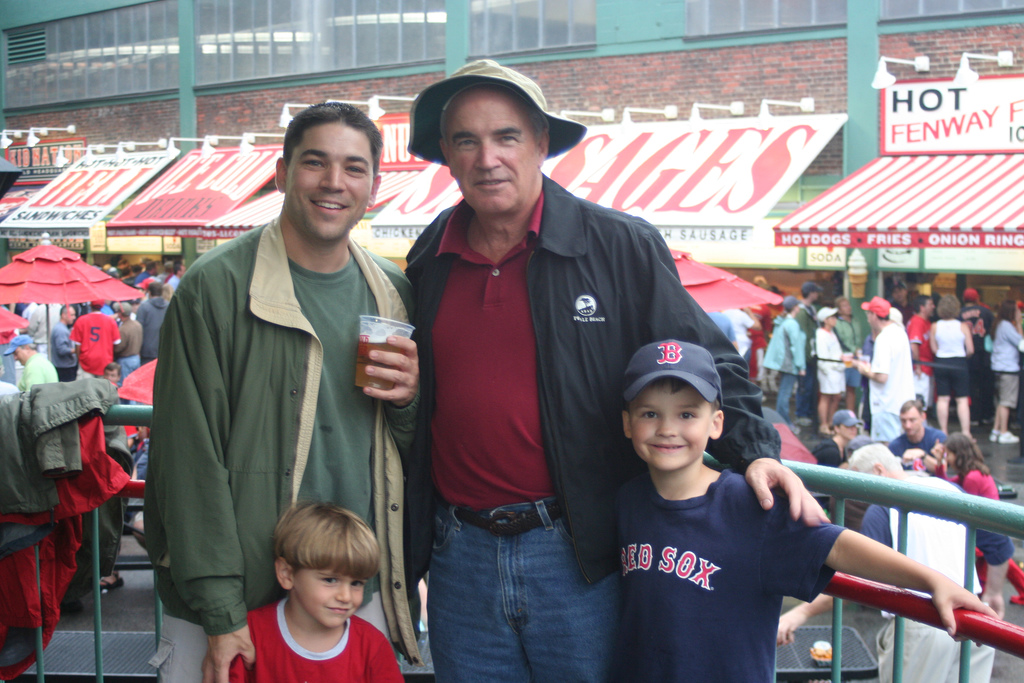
(726, 172)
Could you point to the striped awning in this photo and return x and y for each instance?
(963, 200)
(266, 208)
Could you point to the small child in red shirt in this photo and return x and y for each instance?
(325, 555)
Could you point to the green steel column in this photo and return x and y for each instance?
(186, 93)
(97, 618)
(860, 135)
(456, 35)
(837, 604)
(3, 124)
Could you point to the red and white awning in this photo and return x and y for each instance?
(253, 214)
(83, 194)
(16, 196)
(962, 200)
(196, 190)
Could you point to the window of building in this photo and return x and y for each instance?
(118, 52)
(903, 9)
(711, 17)
(244, 39)
(505, 26)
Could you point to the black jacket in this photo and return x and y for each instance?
(601, 284)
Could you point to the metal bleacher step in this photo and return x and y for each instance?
(71, 656)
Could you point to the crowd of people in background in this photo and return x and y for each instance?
(960, 357)
(68, 342)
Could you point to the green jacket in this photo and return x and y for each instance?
(234, 404)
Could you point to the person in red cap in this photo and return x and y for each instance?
(890, 370)
(982, 380)
(94, 335)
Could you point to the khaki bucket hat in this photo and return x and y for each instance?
(425, 118)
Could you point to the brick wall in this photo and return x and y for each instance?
(802, 68)
(142, 122)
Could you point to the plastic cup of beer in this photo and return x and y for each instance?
(373, 336)
(848, 360)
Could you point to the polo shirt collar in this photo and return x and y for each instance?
(455, 239)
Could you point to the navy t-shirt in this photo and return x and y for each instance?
(703, 581)
(901, 443)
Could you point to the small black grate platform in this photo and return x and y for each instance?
(73, 653)
(793, 662)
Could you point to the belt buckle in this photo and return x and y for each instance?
(496, 522)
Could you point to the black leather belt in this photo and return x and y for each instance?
(506, 522)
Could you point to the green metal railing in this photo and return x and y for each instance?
(973, 511)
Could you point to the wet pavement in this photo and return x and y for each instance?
(131, 607)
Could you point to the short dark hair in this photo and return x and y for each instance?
(333, 112)
(920, 302)
(155, 288)
(912, 403)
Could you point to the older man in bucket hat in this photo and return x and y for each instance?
(530, 303)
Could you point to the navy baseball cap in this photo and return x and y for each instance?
(672, 358)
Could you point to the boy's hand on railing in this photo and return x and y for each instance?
(947, 596)
(222, 650)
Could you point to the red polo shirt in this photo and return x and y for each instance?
(487, 444)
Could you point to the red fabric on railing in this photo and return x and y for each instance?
(20, 605)
(999, 634)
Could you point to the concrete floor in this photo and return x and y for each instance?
(130, 608)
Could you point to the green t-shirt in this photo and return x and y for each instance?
(338, 467)
(38, 370)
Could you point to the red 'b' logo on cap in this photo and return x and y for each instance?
(671, 353)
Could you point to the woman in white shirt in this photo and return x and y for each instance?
(1007, 343)
(952, 343)
(831, 370)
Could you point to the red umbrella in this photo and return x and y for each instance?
(715, 289)
(138, 386)
(48, 274)
(10, 321)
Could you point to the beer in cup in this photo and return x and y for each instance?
(373, 335)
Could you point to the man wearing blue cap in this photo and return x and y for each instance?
(37, 368)
(529, 303)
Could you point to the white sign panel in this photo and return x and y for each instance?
(717, 174)
(937, 117)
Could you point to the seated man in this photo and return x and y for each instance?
(929, 655)
(919, 446)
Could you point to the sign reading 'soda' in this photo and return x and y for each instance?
(938, 117)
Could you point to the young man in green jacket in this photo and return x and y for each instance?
(255, 405)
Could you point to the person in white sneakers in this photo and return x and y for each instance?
(1007, 343)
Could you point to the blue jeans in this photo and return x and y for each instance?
(807, 393)
(787, 381)
(129, 364)
(516, 608)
